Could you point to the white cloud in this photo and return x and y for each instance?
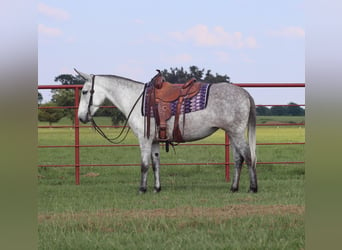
(55, 13)
(201, 35)
(289, 32)
(48, 31)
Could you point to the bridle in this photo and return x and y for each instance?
(115, 140)
(91, 95)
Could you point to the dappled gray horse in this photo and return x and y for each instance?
(229, 107)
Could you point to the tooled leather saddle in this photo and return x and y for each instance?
(159, 98)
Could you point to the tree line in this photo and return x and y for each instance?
(291, 109)
(65, 97)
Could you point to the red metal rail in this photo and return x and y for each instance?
(227, 162)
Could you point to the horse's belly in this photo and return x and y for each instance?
(196, 126)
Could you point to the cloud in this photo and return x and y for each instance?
(201, 35)
(289, 32)
(48, 31)
(55, 13)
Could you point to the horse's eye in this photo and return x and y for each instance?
(84, 92)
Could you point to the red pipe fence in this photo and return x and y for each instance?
(77, 163)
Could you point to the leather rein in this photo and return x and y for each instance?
(115, 140)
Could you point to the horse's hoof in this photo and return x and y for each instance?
(157, 190)
(142, 190)
(234, 189)
(253, 190)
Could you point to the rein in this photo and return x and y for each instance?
(98, 129)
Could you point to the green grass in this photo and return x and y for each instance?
(194, 210)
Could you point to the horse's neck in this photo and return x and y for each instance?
(123, 93)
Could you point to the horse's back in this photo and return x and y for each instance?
(229, 96)
(228, 108)
(229, 90)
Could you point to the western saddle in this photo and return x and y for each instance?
(159, 98)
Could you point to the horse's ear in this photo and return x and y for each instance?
(83, 75)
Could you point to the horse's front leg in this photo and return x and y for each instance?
(155, 156)
(145, 149)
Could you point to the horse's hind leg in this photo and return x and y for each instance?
(242, 153)
(155, 156)
(253, 188)
(238, 160)
(246, 152)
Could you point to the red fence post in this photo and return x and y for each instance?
(227, 158)
(77, 139)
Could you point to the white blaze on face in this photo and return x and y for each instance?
(98, 96)
(84, 99)
(83, 105)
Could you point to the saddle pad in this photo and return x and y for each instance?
(196, 103)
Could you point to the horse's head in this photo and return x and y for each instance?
(92, 96)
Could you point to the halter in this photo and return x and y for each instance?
(91, 95)
(97, 128)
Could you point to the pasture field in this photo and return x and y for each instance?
(194, 210)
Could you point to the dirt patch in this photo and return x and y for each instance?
(227, 212)
(91, 174)
(223, 212)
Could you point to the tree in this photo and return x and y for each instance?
(179, 75)
(175, 75)
(65, 97)
(262, 110)
(217, 78)
(295, 110)
(116, 116)
(278, 110)
(67, 79)
(50, 114)
(196, 72)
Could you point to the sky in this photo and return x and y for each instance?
(250, 41)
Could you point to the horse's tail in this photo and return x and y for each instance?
(252, 131)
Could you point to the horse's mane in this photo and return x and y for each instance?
(121, 77)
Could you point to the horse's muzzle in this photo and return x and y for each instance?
(84, 119)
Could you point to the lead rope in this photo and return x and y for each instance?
(99, 130)
(114, 140)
